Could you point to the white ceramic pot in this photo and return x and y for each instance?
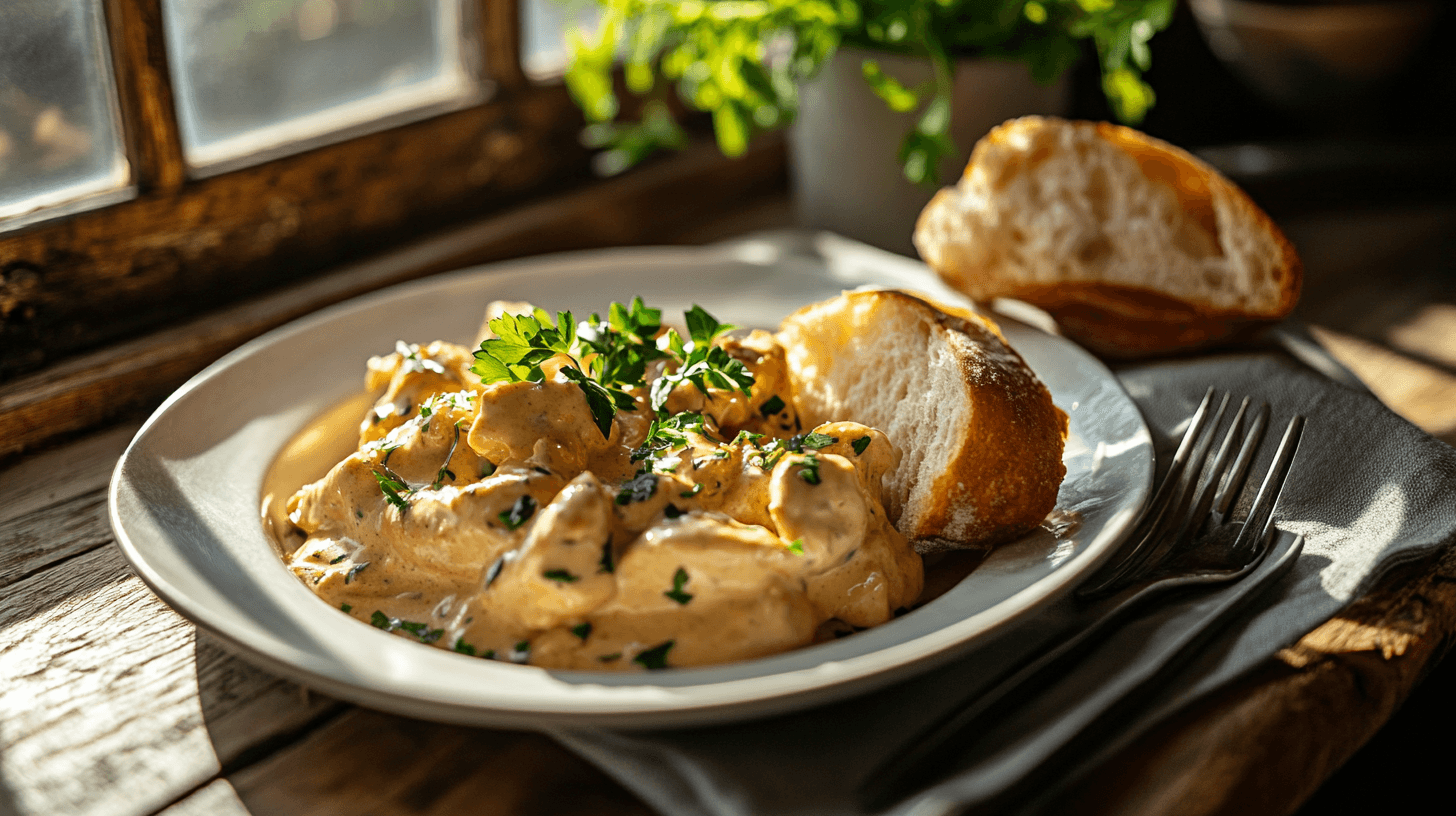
(844, 143)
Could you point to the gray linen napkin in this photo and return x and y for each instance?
(1369, 491)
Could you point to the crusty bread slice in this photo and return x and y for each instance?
(1135, 246)
(980, 440)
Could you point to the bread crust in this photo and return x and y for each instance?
(1001, 476)
(1115, 318)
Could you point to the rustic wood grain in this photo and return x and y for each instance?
(1266, 744)
(647, 206)
(109, 702)
(365, 761)
(501, 36)
(177, 251)
(144, 88)
(56, 504)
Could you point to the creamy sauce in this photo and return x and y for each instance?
(497, 520)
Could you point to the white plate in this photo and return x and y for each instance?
(185, 495)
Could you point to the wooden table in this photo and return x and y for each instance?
(111, 703)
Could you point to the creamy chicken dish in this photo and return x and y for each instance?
(604, 495)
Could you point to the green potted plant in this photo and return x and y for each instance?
(756, 65)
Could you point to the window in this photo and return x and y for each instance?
(257, 78)
(238, 147)
(60, 129)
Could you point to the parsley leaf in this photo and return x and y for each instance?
(520, 512)
(815, 441)
(464, 648)
(860, 444)
(809, 469)
(560, 576)
(582, 630)
(445, 472)
(656, 657)
(771, 406)
(797, 546)
(393, 487)
(679, 580)
(605, 564)
(640, 488)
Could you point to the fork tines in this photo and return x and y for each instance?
(1195, 491)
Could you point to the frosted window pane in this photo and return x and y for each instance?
(256, 78)
(543, 33)
(60, 137)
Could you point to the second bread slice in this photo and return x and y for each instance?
(981, 441)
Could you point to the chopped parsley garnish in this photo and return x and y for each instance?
(815, 440)
(338, 558)
(704, 367)
(582, 630)
(672, 511)
(618, 352)
(640, 488)
(621, 350)
(445, 472)
(560, 576)
(608, 658)
(860, 444)
(347, 607)
(605, 564)
(797, 547)
(679, 580)
(464, 648)
(656, 657)
(520, 512)
(393, 487)
(688, 494)
(772, 406)
(746, 438)
(668, 434)
(489, 654)
(422, 631)
(486, 468)
(809, 469)
(354, 572)
(494, 570)
(699, 361)
(521, 653)
(412, 362)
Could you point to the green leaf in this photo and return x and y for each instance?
(393, 487)
(897, 96)
(640, 488)
(560, 576)
(730, 127)
(656, 657)
(679, 582)
(860, 444)
(520, 512)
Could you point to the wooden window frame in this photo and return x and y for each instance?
(91, 304)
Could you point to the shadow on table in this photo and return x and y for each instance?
(287, 750)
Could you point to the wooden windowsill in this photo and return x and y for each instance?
(666, 201)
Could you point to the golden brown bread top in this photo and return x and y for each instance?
(1135, 246)
(981, 441)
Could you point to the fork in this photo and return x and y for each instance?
(1185, 538)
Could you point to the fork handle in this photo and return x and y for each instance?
(921, 759)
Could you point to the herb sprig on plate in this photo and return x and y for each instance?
(607, 358)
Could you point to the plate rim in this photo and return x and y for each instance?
(740, 706)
